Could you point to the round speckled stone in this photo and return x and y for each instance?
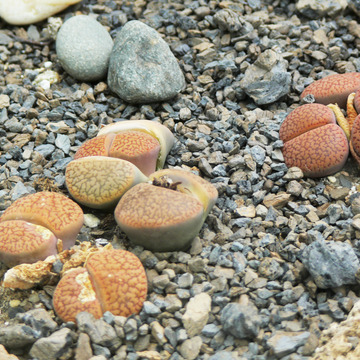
(333, 88)
(319, 152)
(83, 47)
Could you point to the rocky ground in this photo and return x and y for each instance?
(273, 272)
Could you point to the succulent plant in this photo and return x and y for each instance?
(333, 88)
(158, 131)
(140, 148)
(31, 227)
(99, 181)
(313, 142)
(112, 280)
(121, 156)
(167, 214)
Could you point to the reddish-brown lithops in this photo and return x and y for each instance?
(99, 181)
(156, 130)
(24, 242)
(138, 147)
(333, 88)
(357, 101)
(112, 280)
(52, 210)
(305, 118)
(319, 150)
(121, 156)
(167, 214)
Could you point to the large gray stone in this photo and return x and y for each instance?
(53, 346)
(142, 68)
(283, 343)
(331, 263)
(267, 80)
(83, 47)
(241, 321)
(315, 9)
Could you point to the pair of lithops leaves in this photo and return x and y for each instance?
(42, 224)
(317, 136)
(159, 209)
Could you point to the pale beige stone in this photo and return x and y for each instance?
(23, 12)
(197, 314)
(340, 340)
(4, 355)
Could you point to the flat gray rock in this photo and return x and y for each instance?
(241, 321)
(83, 47)
(267, 80)
(331, 263)
(142, 68)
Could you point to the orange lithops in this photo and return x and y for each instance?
(167, 214)
(313, 142)
(138, 147)
(305, 118)
(156, 130)
(112, 280)
(24, 242)
(333, 88)
(52, 210)
(99, 181)
(121, 156)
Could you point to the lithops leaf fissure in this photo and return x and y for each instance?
(111, 280)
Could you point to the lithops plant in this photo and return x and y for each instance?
(166, 214)
(99, 181)
(156, 130)
(313, 142)
(30, 228)
(112, 280)
(121, 156)
(140, 148)
(333, 88)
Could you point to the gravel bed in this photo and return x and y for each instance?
(276, 262)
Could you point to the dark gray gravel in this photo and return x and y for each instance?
(276, 262)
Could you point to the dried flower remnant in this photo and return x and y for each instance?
(26, 276)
